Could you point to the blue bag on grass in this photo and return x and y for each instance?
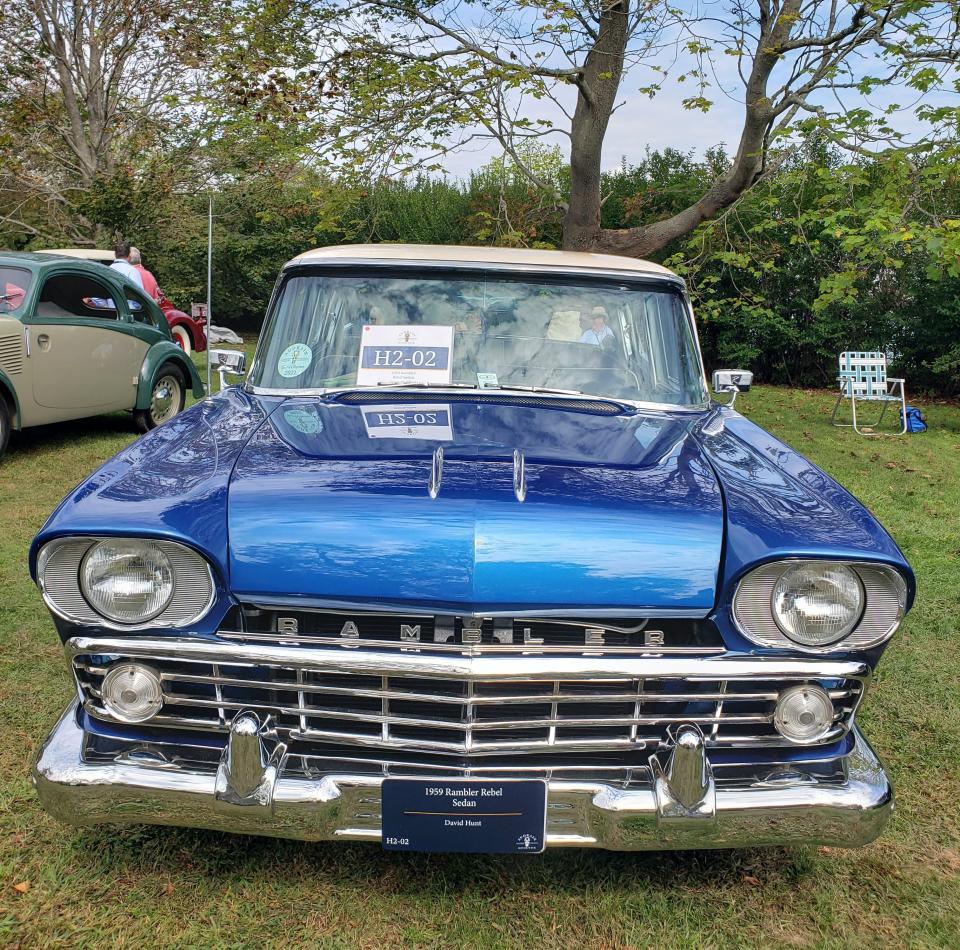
(915, 420)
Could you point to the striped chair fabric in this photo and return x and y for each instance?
(864, 375)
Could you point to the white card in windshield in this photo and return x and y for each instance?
(412, 421)
(394, 355)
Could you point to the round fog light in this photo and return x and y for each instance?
(132, 693)
(803, 714)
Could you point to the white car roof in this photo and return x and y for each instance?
(84, 253)
(514, 257)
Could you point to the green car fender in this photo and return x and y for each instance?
(157, 355)
(7, 389)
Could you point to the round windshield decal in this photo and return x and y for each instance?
(294, 360)
(303, 420)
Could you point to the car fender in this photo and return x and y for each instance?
(7, 389)
(177, 318)
(158, 354)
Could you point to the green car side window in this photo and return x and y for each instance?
(139, 308)
(69, 296)
(14, 284)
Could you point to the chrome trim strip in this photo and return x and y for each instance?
(331, 605)
(469, 649)
(379, 663)
(581, 812)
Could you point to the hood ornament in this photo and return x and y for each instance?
(519, 475)
(436, 472)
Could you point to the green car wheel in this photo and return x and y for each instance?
(167, 398)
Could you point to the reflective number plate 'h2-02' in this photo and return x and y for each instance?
(471, 815)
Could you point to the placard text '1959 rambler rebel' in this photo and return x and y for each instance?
(471, 562)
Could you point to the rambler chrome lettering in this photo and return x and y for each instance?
(471, 561)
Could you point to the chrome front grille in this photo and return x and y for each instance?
(486, 706)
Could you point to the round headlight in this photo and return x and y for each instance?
(817, 603)
(127, 581)
(131, 692)
(804, 713)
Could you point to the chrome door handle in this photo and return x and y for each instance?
(43, 340)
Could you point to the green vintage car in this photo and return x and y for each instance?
(76, 340)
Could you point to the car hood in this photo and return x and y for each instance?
(329, 503)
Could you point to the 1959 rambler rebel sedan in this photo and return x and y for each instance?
(471, 562)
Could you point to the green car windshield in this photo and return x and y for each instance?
(615, 339)
(14, 284)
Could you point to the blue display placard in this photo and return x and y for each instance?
(476, 816)
(404, 357)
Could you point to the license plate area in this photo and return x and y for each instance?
(474, 816)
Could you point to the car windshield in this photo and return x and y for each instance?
(617, 339)
(14, 284)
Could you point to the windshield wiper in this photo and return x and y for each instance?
(500, 387)
(546, 390)
(542, 389)
(420, 385)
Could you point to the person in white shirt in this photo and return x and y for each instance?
(598, 332)
(122, 263)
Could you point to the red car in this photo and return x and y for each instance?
(188, 333)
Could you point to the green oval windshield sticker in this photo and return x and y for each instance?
(294, 360)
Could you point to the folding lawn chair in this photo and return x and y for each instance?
(863, 377)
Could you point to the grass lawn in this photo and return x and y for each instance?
(147, 887)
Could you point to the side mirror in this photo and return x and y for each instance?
(727, 380)
(228, 361)
(732, 381)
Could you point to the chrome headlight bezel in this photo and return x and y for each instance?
(885, 601)
(59, 565)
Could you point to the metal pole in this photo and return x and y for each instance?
(209, 282)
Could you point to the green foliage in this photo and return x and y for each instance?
(826, 256)
(661, 184)
(423, 210)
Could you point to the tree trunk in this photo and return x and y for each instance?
(581, 226)
(597, 92)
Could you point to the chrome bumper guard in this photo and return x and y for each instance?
(683, 807)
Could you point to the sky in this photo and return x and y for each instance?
(638, 124)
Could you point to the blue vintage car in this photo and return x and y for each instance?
(471, 562)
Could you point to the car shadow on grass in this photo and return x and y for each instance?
(174, 852)
(40, 439)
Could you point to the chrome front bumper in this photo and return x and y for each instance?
(683, 806)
